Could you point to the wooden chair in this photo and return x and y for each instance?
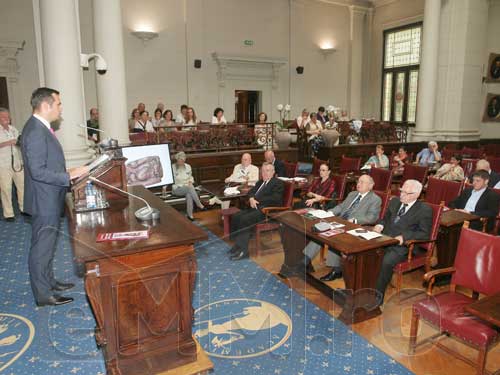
(316, 164)
(291, 169)
(473, 153)
(476, 268)
(492, 149)
(422, 259)
(469, 166)
(447, 153)
(349, 164)
(496, 228)
(382, 178)
(413, 172)
(386, 197)
(440, 190)
(268, 224)
(494, 163)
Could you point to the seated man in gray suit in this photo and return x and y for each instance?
(361, 207)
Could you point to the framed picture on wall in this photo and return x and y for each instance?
(493, 73)
(492, 108)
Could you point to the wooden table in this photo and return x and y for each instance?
(362, 260)
(140, 291)
(217, 189)
(449, 234)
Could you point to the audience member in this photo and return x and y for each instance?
(478, 200)
(11, 166)
(322, 116)
(134, 117)
(181, 117)
(279, 166)
(218, 117)
(320, 189)
(484, 165)
(406, 218)
(451, 171)
(429, 155)
(157, 118)
(141, 107)
(399, 160)
(160, 106)
(343, 116)
(168, 118)
(93, 123)
(244, 172)
(313, 130)
(303, 119)
(262, 117)
(190, 116)
(361, 207)
(268, 192)
(143, 124)
(379, 160)
(183, 184)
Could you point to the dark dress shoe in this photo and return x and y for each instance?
(333, 275)
(63, 286)
(239, 256)
(55, 300)
(10, 219)
(190, 218)
(234, 250)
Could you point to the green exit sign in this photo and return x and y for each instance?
(248, 42)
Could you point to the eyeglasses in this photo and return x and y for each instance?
(406, 192)
(323, 170)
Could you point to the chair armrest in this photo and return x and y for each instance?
(430, 277)
(267, 210)
(411, 244)
(484, 221)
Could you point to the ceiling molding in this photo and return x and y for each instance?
(381, 3)
(365, 4)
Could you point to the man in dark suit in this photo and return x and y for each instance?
(268, 192)
(406, 219)
(279, 166)
(484, 165)
(46, 182)
(478, 200)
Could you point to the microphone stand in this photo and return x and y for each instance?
(144, 213)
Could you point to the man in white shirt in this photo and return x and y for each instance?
(181, 117)
(244, 172)
(11, 166)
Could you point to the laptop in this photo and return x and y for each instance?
(304, 169)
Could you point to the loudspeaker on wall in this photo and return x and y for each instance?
(300, 69)
(197, 64)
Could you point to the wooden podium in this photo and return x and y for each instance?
(140, 291)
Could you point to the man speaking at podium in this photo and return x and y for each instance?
(46, 183)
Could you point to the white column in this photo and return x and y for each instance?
(427, 82)
(357, 15)
(111, 87)
(61, 62)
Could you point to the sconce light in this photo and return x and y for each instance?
(145, 35)
(327, 51)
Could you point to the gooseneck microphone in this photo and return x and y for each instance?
(145, 213)
(88, 127)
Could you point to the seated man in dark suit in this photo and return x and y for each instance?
(279, 166)
(361, 206)
(406, 219)
(478, 200)
(484, 165)
(268, 192)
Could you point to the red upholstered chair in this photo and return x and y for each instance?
(291, 169)
(447, 153)
(421, 259)
(492, 149)
(268, 225)
(340, 186)
(386, 197)
(441, 190)
(469, 166)
(382, 178)
(476, 268)
(496, 229)
(349, 165)
(412, 172)
(475, 153)
(494, 163)
(316, 164)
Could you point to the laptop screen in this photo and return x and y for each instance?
(304, 169)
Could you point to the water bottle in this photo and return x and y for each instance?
(90, 194)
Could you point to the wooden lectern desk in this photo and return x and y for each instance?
(140, 290)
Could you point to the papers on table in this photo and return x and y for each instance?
(321, 214)
(366, 167)
(331, 232)
(231, 190)
(363, 233)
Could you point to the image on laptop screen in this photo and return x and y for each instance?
(304, 169)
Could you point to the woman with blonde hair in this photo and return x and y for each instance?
(183, 184)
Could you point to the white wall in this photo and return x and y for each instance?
(491, 129)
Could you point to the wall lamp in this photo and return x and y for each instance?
(145, 35)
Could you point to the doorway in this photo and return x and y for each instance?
(4, 97)
(246, 106)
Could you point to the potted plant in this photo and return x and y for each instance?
(282, 136)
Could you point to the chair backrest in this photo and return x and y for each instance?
(340, 185)
(492, 149)
(288, 194)
(477, 262)
(496, 229)
(476, 153)
(291, 169)
(447, 153)
(414, 172)
(440, 190)
(437, 211)
(349, 164)
(382, 178)
(469, 166)
(494, 163)
(316, 164)
(386, 197)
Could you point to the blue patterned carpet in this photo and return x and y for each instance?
(246, 319)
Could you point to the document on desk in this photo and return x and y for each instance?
(321, 214)
(363, 233)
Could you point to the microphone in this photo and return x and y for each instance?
(88, 127)
(143, 214)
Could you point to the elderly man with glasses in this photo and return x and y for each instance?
(406, 219)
